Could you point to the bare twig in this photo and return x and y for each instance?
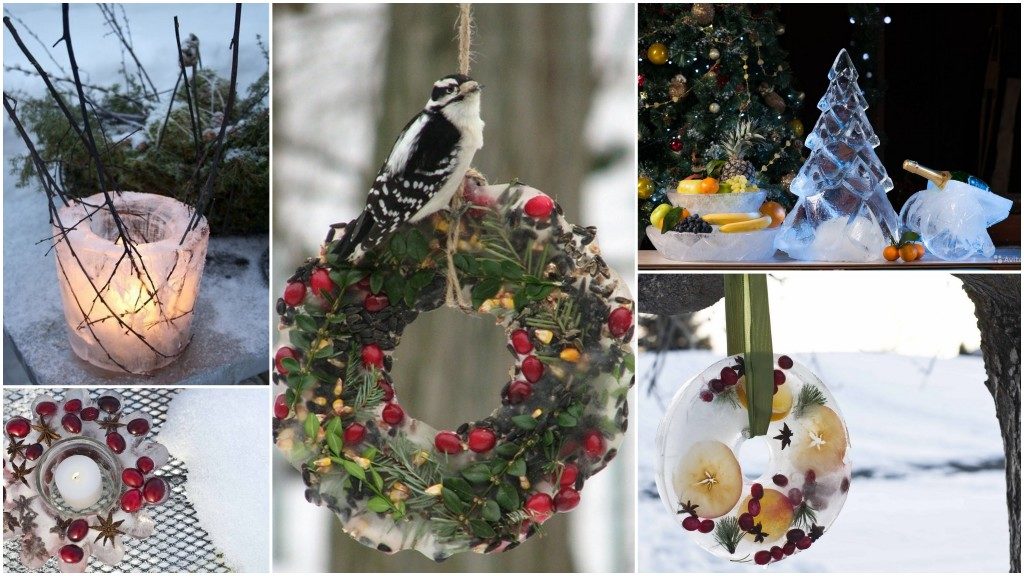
(188, 93)
(115, 26)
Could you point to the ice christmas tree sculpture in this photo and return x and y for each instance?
(843, 213)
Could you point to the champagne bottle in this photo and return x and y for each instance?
(941, 177)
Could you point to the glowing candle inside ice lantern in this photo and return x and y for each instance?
(79, 481)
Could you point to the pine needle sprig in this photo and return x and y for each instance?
(728, 534)
(809, 397)
(804, 515)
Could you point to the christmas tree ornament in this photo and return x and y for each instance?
(714, 54)
(714, 108)
(780, 30)
(644, 187)
(797, 126)
(843, 213)
(640, 80)
(677, 88)
(676, 145)
(395, 482)
(703, 14)
(657, 53)
(80, 475)
(787, 180)
(773, 100)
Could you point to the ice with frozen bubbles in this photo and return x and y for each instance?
(953, 220)
(843, 213)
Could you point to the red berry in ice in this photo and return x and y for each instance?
(144, 464)
(77, 530)
(706, 525)
(780, 480)
(481, 439)
(729, 376)
(540, 206)
(34, 451)
(754, 507)
(132, 478)
(539, 506)
(155, 490)
(777, 553)
(116, 442)
(354, 434)
(780, 377)
(756, 491)
(447, 442)
(593, 444)
(746, 521)
(389, 390)
(109, 404)
(566, 499)
(376, 302)
(46, 408)
(392, 414)
(280, 407)
(73, 405)
(138, 427)
(372, 355)
(72, 423)
(131, 500)
(294, 293)
(691, 523)
(533, 368)
(844, 485)
(795, 535)
(18, 427)
(789, 548)
(762, 557)
(716, 385)
(785, 362)
(521, 342)
(795, 496)
(569, 474)
(707, 395)
(71, 553)
(804, 543)
(320, 283)
(282, 353)
(619, 321)
(809, 477)
(91, 413)
(519, 391)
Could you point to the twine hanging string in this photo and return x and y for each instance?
(453, 293)
(465, 25)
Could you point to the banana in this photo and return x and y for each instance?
(709, 476)
(782, 401)
(820, 441)
(730, 217)
(747, 225)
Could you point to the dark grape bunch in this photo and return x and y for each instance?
(693, 223)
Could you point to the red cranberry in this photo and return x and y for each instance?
(34, 451)
(482, 439)
(619, 321)
(145, 464)
(372, 356)
(354, 434)
(777, 553)
(282, 353)
(729, 376)
(795, 535)
(810, 477)
(754, 507)
(519, 391)
(746, 521)
(18, 427)
(780, 480)
(294, 293)
(131, 500)
(691, 523)
(389, 390)
(138, 427)
(393, 414)
(756, 491)
(109, 404)
(90, 413)
(706, 525)
(72, 423)
(47, 408)
(780, 377)
(566, 499)
(804, 543)
(844, 485)
(375, 302)
(795, 496)
(716, 385)
(593, 444)
(540, 206)
(132, 478)
(281, 407)
(569, 474)
(707, 395)
(78, 529)
(521, 342)
(73, 405)
(789, 548)
(448, 442)
(762, 557)
(539, 506)
(71, 553)
(320, 283)
(116, 442)
(533, 368)
(785, 362)
(155, 490)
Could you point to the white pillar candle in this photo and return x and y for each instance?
(79, 481)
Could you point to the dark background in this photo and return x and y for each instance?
(930, 64)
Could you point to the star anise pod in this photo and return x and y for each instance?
(23, 504)
(21, 472)
(688, 508)
(107, 528)
(16, 449)
(111, 423)
(10, 522)
(816, 532)
(785, 436)
(759, 533)
(47, 434)
(60, 526)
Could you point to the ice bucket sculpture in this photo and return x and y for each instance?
(843, 213)
(122, 316)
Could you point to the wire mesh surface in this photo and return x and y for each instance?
(178, 544)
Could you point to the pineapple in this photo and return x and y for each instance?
(735, 146)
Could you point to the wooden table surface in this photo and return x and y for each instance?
(1006, 258)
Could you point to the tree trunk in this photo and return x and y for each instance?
(997, 307)
(534, 63)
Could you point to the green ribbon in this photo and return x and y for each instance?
(748, 331)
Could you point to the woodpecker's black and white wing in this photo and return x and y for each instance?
(422, 162)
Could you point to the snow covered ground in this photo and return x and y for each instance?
(928, 493)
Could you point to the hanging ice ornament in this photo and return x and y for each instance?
(843, 213)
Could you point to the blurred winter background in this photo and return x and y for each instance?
(900, 352)
(558, 104)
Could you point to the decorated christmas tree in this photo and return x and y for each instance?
(843, 213)
(715, 99)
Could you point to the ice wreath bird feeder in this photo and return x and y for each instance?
(130, 311)
(394, 481)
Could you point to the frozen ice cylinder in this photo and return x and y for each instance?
(122, 317)
(79, 481)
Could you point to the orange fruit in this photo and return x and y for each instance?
(891, 253)
(920, 250)
(708, 185)
(782, 401)
(908, 252)
(775, 210)
(775, 516)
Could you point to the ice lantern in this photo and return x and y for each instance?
(120, 316)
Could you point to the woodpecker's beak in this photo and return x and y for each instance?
(469, 87)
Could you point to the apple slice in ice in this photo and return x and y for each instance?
(709, 476)
(820, 441)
